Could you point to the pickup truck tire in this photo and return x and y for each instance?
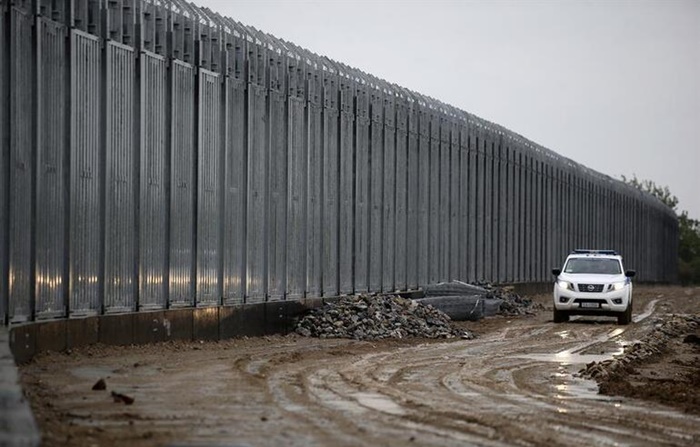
(560, 316)
(625, 317)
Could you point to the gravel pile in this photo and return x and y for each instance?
(650, 345)
(492, 299)
(512, 303)
(376, 317)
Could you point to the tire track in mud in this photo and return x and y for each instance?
(490, 392)
(515, 385)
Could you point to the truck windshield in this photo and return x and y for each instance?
(594, 266)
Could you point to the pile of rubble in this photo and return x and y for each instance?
(375, 317)
(462, 301)
(650, 345)
(512, 304)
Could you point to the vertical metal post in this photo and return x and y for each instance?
(346, 161)
(182, 165)
(154, 121)
(362, 187)
(315, 156)
(413, 181)
(423, 173)
(435, 224)
(297, 178)
(402, 193)
(4, 160)
(376, 189)
(454, 202)
(51, 188)
(464, 202)
(444, 185)
(389, 192)
(330, 176)
(257, 201)
(277, 175)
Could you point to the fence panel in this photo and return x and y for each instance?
(4, 159)
(235, 175)
(329, 194)
(490, 204)
(314, 108)
(296, 198)
(51, 173)
(412, 206)
(464, 202)
(400, 252)
(86, 225)
(444, 182)
(120, 176)
(376, 189)
(473, 202)
(423, 174)
(277, 183)
(434, 224)
(257, 194)
(346, 192)
(482, 202)
(22, 136)
(502, 191)
(153, 201)
(208, 190)
(182, 188)
(454, 204)
(362, 185)
(389, 194)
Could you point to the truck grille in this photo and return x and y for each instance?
(591, 288)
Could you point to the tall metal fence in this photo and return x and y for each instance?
(157, 155)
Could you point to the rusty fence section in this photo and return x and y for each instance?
(157, 155)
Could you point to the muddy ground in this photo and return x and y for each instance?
(517, 384)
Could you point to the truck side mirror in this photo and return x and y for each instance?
(556, 272)
(630, 273)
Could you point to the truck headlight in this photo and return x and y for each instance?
(617, 286)
(565, 285)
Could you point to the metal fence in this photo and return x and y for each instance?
(157, 155)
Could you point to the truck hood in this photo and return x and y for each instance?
(591, 279)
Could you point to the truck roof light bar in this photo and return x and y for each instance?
(582, 251)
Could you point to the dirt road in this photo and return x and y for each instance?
(514, 385)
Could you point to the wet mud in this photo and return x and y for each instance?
(517, 384)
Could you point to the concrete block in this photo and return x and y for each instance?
(23, 342)
(178, 324)
(243, 320)
(150, 327)
(281, 316)
(82, 332)
(117, 329)
(52, 336)
(206, 323)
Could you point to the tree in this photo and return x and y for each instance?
(688, 230)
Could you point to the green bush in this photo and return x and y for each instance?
(688, 231)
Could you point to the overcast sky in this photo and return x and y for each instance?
(614, 85)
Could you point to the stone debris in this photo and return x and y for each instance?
(100, 385)
(654, 343)
(692, 338)
(480, 300)
(364, 317)
(123, 398)
(462, 307)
